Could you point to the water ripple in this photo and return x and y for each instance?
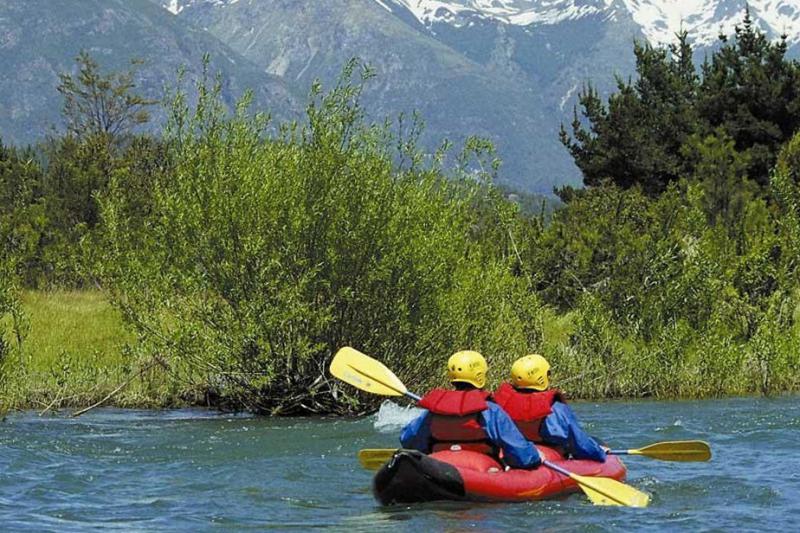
(198, 470)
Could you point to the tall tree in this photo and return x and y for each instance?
(722, 173)
(636, 138)
(752, 91)
(105, 105)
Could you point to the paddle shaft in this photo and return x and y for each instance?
(557, 468)
(695, 451)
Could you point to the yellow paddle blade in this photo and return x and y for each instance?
(607, 491)
(681, 450)
(374, 458)
(365, 373)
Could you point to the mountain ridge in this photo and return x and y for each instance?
(508, 70)
(539, 54)
(659, 20)
(40, 39)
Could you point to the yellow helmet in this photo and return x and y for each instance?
(467, 367)
(530, 372)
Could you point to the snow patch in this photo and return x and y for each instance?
(567, 96)
(176, 6)
(660, 20)
(384, 6)
(515, 12)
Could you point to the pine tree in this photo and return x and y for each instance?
(721, 171)
(636, 138)
(752, 91)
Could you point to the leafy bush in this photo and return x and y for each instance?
(689, 293)
(265, 250)
(13, 323)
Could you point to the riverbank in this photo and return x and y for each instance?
(78, 352)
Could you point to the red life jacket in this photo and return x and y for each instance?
(455, 421)
(527, 409)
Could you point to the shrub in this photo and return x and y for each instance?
(267, 249)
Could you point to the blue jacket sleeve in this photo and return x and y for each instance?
(561, 428)
(518, 452)
(417, 433)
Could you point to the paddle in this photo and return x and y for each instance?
(374, 458)
(367, 374)
(604, 490)
(677, 450)
(685, 450)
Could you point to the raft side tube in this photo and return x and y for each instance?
(411, 476)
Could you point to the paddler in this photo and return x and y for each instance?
(541, 413)
(467, 419)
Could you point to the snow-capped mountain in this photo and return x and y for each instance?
(659, 20)
(515, 12)
(510, 70)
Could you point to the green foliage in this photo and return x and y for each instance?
(243, 253)
(17, 178)
(721, 171)
(264, 253)
(788, 163)
(48, 206)
(690, 293)
(13, 321)
(748, 91)
(101, 106)
(679, 264)
(636, 138)
(751, 90)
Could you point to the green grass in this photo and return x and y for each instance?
(69, 325)
(76, 352)
(556, 328)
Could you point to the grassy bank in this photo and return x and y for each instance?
(76, 353)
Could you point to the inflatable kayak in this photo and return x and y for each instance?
(411, 476)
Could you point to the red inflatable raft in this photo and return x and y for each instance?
(411, 476)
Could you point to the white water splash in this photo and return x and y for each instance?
(391, 417)
(676, 424)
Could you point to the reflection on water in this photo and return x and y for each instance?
(199, 470)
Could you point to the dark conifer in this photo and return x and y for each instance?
(636, 138)
(752, 91)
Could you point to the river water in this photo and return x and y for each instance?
(195, 470)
